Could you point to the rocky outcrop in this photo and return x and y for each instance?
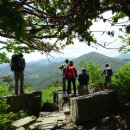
(29, 102)
(75, 110)
(93, 106)
(49, 107)
(46, 121)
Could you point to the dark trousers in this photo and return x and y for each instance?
(71, 80)
(107, 81)
(64, 84)
(19, 77)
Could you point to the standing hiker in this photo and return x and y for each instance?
(83, 79)
(18, 65)
(71, 74)
(107, 73)
(63, 68)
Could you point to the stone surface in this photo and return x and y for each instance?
(29, 102)
(92, 106)
(74, 110)
(21, 128)
(23, 122)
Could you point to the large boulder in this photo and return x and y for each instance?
(93, 106)
(49, 107)
(29, 102)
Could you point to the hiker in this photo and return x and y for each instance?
(83, 79)
(107, 73)
(71, 74)
(63, 68)
(18, 65)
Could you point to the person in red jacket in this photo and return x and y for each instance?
(71, 74)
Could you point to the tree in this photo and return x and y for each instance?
(43, 25)
(95, 72)
(121, 81)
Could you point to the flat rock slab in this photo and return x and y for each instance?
(23, 122)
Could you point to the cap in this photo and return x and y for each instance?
(83, 69)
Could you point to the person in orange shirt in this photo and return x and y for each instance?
(71, 74)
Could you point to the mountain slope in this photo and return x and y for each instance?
(39, 74)
(100, 59)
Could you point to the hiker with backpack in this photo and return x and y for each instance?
(63, 68)
(18, 65)
(71, 74)
(107, 73)
(83, 80)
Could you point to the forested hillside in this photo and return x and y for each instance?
(39, 74)
(100, 59)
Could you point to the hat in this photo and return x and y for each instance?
(83, 69)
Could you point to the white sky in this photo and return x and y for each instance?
(79, 48)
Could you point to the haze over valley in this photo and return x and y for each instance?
(39, 74)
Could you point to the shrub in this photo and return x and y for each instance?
(47, 94)
(121, 82)
(5, 90)
(95, 72)
(7, 117)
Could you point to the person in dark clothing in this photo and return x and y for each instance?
(107, 73)
(18, 68)
(83, 79)
(63, 68)
(71, 74)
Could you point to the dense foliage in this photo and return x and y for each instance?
(6, 117)
(43, 24)
(7, 87)
(95, 72)
(121, 82)
(47, 94)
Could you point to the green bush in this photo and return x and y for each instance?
(121, 82)
(7, 117)
(5, 90)
(47, 94)
(95, 72)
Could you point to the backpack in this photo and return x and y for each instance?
(16, 63)
(109, 72)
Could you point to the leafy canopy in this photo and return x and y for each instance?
(42, 25)
(121, 82)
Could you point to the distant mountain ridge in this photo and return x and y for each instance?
(124, 56)
(39, 74)
(100, 59)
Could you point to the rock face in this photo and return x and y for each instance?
(75, 110)
(92, 106)
(49, 107)
(29, 102)
(60, 98)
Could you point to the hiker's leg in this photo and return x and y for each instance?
(16, 78)
(74, 85)
(69, 86)
(64, 84)
(85, 87)
(80, 90)
(105, 83)
(21, 81)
